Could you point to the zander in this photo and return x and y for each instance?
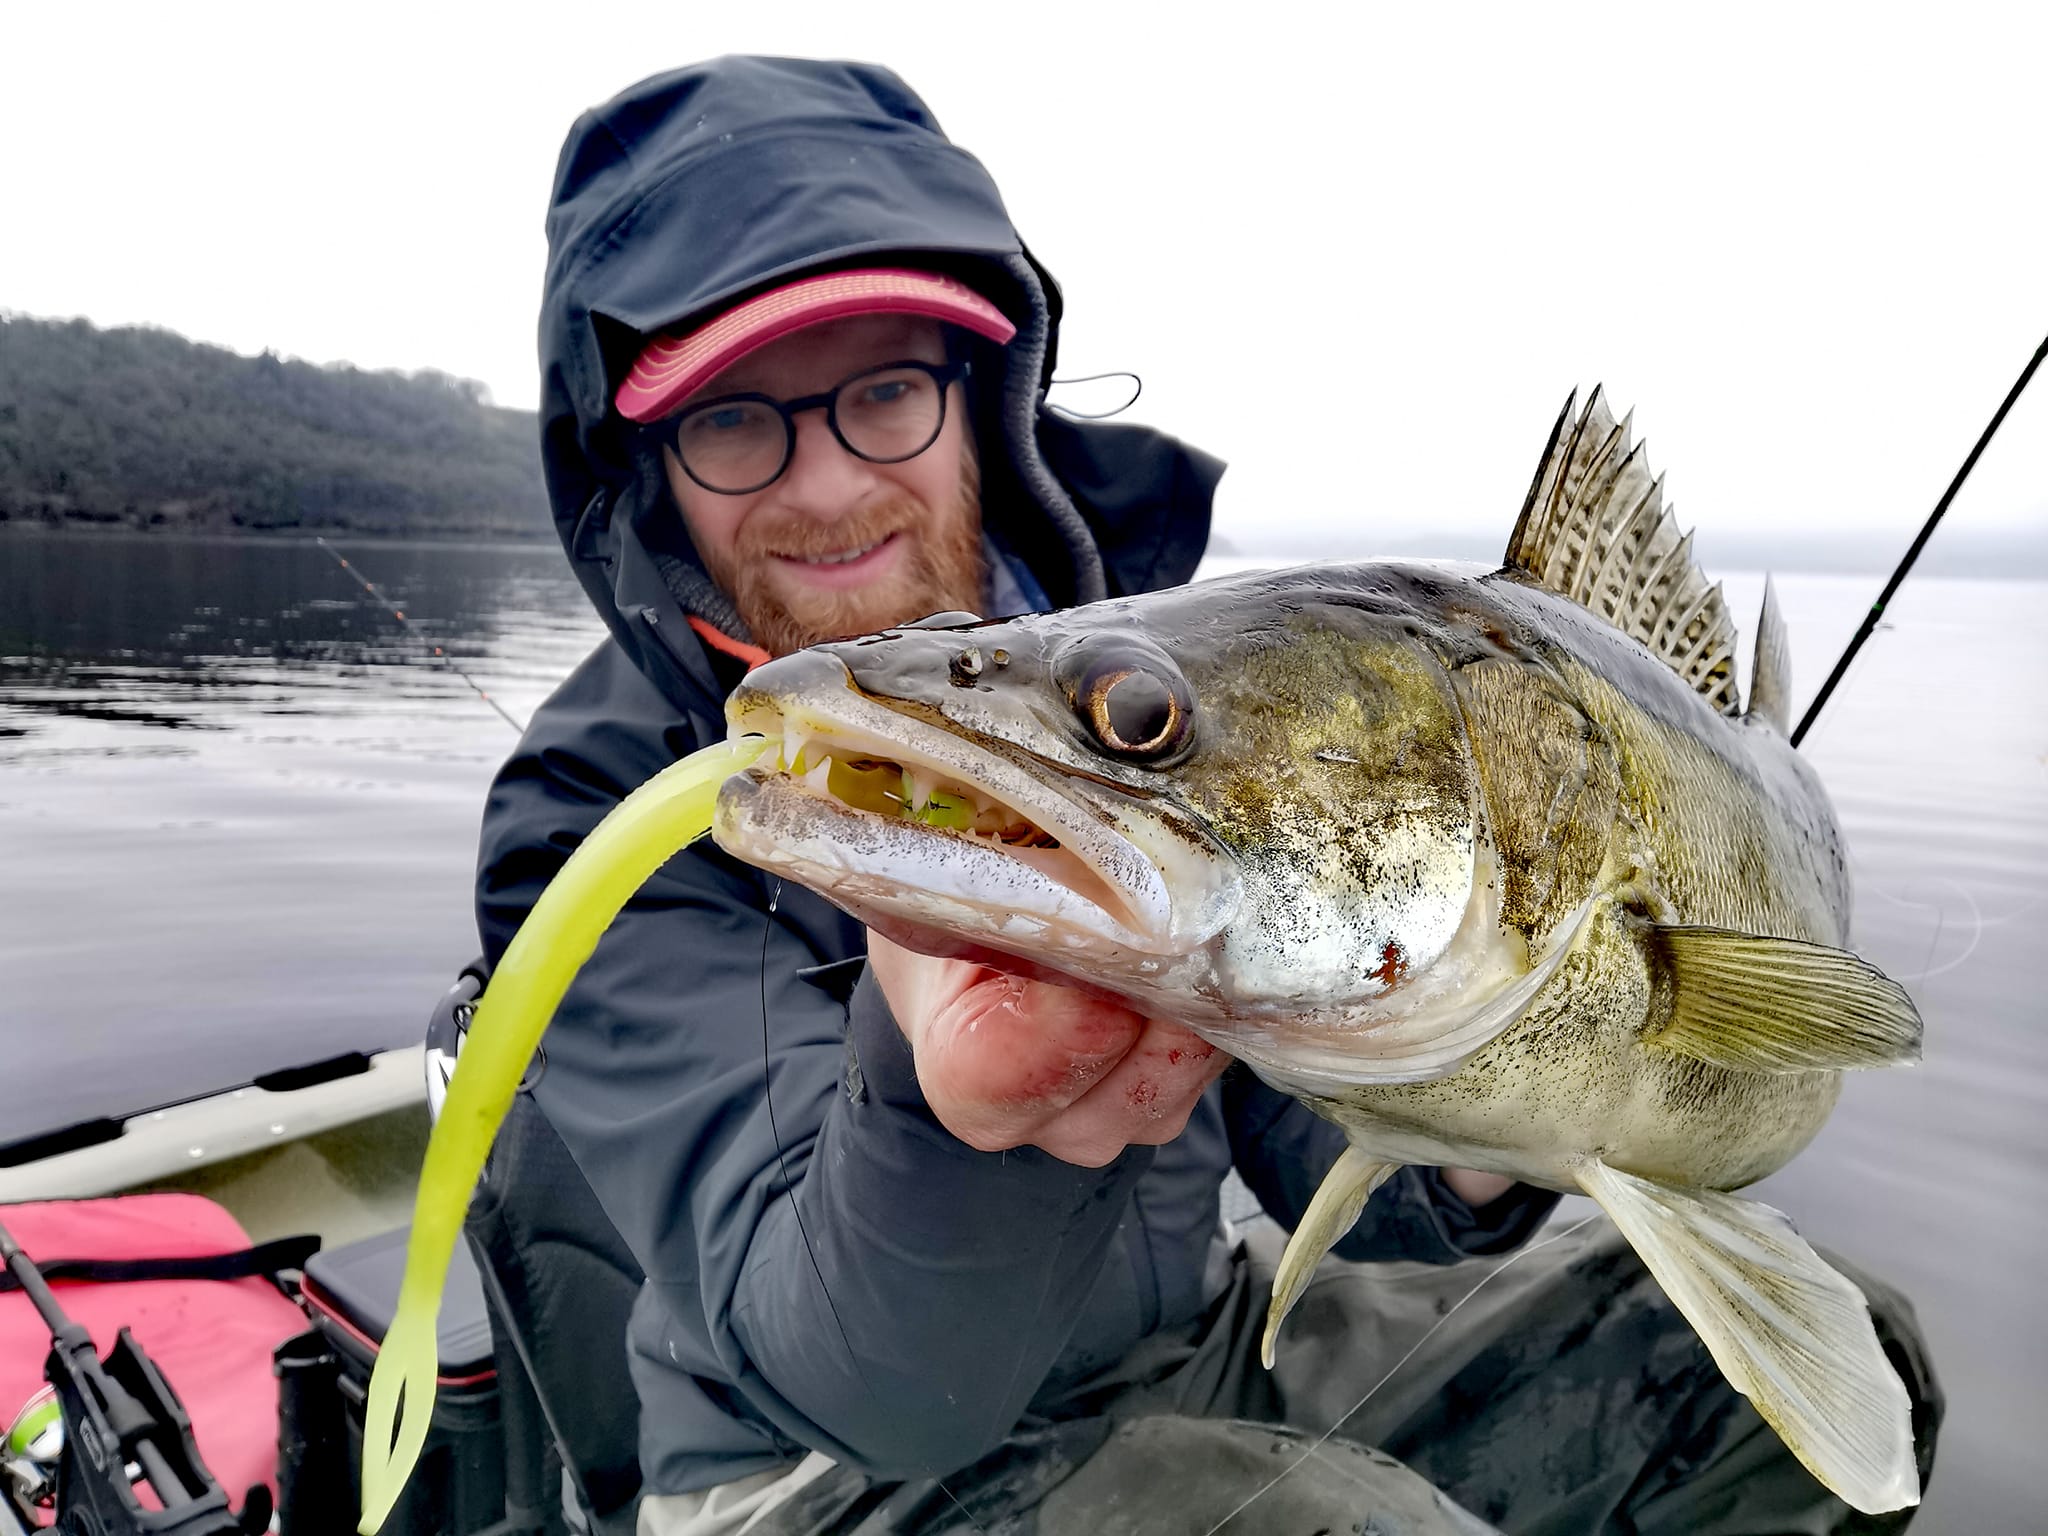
(1492, 869)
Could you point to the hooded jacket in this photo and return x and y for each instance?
(826, 1266)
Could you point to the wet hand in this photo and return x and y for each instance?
(1007, 1062)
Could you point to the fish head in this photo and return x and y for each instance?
(1247, 804)
(948, 777)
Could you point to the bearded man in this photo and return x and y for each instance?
(794, 367)
(829, 480)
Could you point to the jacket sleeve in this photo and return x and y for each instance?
(1282, 1150)
(871, 1287)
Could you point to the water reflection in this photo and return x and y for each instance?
(239, 800)
(207, 633)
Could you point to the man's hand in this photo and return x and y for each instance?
(1476, 1188)
(1005, 1062)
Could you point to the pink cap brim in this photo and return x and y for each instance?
(672, 368)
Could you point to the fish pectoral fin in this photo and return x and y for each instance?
(1789, 1333)
(1331, 1214)
(1777, 1005)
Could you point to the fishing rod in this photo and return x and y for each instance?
(122, 1428)
(1870, 619)
(398, 613)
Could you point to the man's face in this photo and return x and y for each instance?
(838, 546)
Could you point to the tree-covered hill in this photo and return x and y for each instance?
(143, 428)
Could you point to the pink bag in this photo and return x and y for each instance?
(211, 1338)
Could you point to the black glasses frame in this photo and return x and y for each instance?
(942, 375)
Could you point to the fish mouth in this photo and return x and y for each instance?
(892, 815)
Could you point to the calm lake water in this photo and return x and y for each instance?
(239, 799)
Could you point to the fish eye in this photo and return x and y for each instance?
(1136, 710)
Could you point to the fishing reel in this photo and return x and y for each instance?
(106, 1449)
(447, 1030)
(29, 1455)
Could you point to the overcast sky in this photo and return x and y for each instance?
(1364, 259)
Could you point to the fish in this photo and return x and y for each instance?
(1492, 868)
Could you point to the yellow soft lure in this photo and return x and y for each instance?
(667, 813)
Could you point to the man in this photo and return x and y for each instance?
(794, 360)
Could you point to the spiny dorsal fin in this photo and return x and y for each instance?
(1770, 672)
(1595, 529)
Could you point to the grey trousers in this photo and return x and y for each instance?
(1565, 1397)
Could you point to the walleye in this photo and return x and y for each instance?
(1492, 869)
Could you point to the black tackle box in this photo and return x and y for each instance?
(351, 1294)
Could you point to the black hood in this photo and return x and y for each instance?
(695, 189)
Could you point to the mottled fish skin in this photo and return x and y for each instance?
(1603, 775)
(1488, 867)
(1363, 729)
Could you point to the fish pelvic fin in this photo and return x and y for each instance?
(1758, 1004)
(1594, 529)
(1789, 1333)
(1770, 676)
(1331, 1213)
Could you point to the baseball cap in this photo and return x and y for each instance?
(670, 368)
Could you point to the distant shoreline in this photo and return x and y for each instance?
(140, 430)
(96, 528)
(1962, 558)
(1953, 551)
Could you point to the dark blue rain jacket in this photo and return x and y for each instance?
(724, 1051)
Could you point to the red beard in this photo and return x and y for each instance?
(944, 571)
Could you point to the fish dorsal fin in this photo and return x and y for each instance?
(1770, 674)
(1595, 529)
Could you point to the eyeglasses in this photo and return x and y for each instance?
(739, 444)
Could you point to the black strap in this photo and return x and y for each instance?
(265, 1259)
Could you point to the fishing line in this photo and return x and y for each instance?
(789, 1189)
(1978, 923)
(1870, 619)
(1276, 1479)
(788, 1184)
(398, 613)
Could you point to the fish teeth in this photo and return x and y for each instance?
(793, 744)
(818, 779)
(919, 786)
